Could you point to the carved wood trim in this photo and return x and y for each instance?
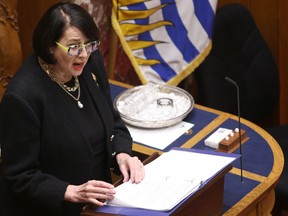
(5, 80)
(6, 15)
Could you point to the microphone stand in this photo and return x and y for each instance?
(239, 123)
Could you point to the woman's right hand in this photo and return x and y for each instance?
(95, 192)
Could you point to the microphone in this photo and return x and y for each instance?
(239, 123)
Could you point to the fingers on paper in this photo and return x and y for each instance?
(137, 171)
(96, 192)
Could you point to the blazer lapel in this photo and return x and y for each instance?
(99, 101)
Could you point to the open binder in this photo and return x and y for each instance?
(176, 191)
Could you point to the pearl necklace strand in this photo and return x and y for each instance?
(67, 89)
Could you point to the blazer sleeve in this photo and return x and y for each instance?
(20, 142)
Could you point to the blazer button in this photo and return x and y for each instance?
(113, 154)
(111, 138)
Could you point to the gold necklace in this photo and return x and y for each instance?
(75, 87)
(67, 89)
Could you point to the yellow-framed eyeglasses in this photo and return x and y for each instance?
(75, 50)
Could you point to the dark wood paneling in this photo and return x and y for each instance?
(271, 18)
(265, 14)
(30, 12)
(283, 60)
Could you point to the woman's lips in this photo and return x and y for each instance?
(78, 66)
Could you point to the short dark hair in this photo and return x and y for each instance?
(55, 21)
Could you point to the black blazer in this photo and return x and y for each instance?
(43, 148)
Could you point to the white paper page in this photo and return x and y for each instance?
(169, 179)
(154, 193)
(159, 138)
(186, 165)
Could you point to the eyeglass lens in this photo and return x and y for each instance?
(77, 49)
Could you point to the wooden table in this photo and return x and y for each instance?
(262, 160)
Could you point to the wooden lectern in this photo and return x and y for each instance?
(207, 200)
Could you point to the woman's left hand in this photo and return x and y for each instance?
(130, 165)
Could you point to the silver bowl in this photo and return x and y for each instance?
(153, 106)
